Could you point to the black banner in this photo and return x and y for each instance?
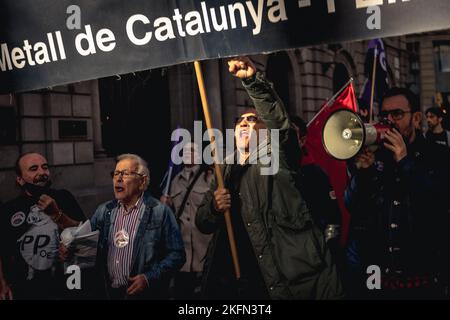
(45, 43)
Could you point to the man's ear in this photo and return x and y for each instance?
(417, 119)
(144, 181)
(20, 181)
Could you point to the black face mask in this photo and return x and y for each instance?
(35, 190)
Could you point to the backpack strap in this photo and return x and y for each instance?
(188, 191)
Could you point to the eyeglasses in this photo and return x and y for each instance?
(250, 119)
(125, 174)
(396, 114)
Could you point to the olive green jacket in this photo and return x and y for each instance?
(291, 251)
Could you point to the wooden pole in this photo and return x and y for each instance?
(219, 177)
(372, 92)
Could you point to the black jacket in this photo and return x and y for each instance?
(290, 251)
(399, 211)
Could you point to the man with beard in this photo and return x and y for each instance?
(436, 133)
(29, 232)
(282, 254)
(398, 199)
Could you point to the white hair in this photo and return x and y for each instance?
(142, 165)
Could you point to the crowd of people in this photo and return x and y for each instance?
(286, 225)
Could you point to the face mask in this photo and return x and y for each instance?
(35, 190)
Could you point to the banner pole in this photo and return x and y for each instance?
(219, 177)
(372, 91)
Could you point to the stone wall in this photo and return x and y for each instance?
(73, 166)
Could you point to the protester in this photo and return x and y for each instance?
(398, 199)
(436, 132)
(282, 255)
(140, 245)
(29, 233)
(318, 193)
(187, 190)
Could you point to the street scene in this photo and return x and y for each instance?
(225, 150)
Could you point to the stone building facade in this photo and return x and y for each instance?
(73, 125)
(63, 124)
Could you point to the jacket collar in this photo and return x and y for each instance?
(418, 145)
(263, 151)
(149, 201)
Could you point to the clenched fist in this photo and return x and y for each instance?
(241, 67)
(48, 205)
(222, 200)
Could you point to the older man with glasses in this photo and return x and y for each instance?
(140, 245)
(398, 198)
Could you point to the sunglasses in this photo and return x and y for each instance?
(250, 119)
(396, 114)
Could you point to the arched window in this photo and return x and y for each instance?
(340, 76)
(135, 113)
(279, 71)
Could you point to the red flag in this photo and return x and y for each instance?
(336, 169)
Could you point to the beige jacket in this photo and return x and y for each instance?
(195, 242)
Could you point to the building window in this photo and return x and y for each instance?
(397, 69)
(442, 50)
(72, 129)
(340, 77)
(279, 71)
(7, 126)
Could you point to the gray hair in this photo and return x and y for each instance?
(142, 165)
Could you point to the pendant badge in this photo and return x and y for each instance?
(121, 239)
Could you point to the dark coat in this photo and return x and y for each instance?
(290, 250)
(399, 210)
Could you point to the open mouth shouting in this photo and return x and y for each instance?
(118, 189)
(244, 133)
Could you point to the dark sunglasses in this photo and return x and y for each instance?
(250, 119)
(396, 114)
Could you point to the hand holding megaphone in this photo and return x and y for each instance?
(395, 143)
(365, 159)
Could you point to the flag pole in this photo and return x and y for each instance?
(372, 91)
(331, 100)
(170, 170)
(169, 176)
(219, 177)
